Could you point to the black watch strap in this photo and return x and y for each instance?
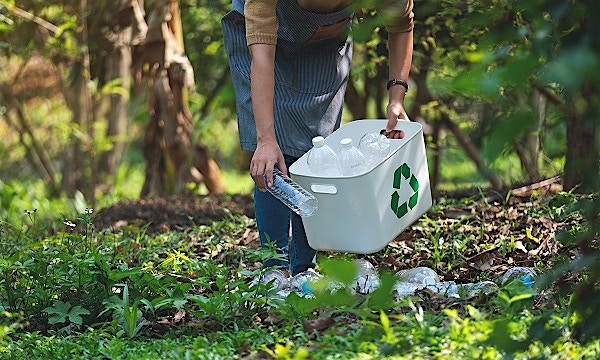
(394, 82)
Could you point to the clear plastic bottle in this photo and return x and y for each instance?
(419, 275)
(375, 147)
(293, 195)
(321, 159)
(350, 160)
(521, 273)
(446, 288)
(367, 279)
(276, 277)
(473, 289)
(304, 281)
(406, 288)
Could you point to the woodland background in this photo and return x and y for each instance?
(94, 89)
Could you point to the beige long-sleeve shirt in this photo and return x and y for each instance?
(261, 17)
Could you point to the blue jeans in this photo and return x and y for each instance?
(274, 220)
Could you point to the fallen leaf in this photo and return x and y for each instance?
(519, 246)
(318, 324)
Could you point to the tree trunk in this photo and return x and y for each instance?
(76, 158)
(168, 139)
(582, 161)
(116, 66)
(211, 175)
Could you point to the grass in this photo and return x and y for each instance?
(83, 293)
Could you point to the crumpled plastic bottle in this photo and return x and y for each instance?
(375, 147)
(366, 280)
(276, 277)
(524, 274)
(294, 196)
(419, 275)
(473, 289)
(419, 278)
(304, 282)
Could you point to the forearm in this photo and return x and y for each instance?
(262, 88)
(400, 47)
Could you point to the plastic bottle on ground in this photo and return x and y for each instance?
(419, 278)
(375, 147)
(304, 281)
(446, 288)
(276, 277)
(404, 289)
(321, 159)
(420, 275)
(301, 201)
(366, 280)
(521, 273)
(474, 289)
(350, 160)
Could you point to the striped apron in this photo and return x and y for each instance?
(311, 72)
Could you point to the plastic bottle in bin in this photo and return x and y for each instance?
(301, 201)
(350, 160)
(321, 159)
(374, 146)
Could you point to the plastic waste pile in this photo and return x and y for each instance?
(420, 278)
(409, 281)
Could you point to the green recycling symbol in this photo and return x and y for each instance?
(402, 209)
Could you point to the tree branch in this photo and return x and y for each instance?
(30, 17)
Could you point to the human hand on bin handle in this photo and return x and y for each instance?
(395, 113)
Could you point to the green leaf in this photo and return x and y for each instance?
(75, 314)
(341, 270)
(572, 67)
(501, 337)
(60, 309)
(505, 131)
(63, 311)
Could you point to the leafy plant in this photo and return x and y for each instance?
(126, 316)
(62, 312)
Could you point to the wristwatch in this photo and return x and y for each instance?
(394, 82)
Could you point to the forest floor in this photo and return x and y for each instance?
(505, 231)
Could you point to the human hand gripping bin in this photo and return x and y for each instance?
(363, 213)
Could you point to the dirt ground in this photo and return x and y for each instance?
(533, 237)
(173, 213)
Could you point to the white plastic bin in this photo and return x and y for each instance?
(362, 214)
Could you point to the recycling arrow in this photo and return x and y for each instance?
(403, 172)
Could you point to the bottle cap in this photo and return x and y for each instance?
(318, 141)
(346, 142)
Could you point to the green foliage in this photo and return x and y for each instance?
(92, 294)
(61, 312)
(127, 316)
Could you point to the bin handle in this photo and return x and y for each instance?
(398, 127)
(324, 188)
